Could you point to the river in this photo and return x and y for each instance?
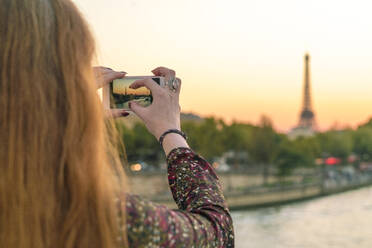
(337, 221)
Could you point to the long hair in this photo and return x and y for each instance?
(58, 184)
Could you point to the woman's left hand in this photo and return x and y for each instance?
(105, 76)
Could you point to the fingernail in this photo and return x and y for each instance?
(124, 72)
(124, 114)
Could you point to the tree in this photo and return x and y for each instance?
(290, 157)
(309, 146)
(237, 139)
(264, 145)
(368, 124)
(362, 143)
(206, 137)
(336, 143)
(140, 145)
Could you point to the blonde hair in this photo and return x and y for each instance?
(57, 182)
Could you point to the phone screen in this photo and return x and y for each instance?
(121, 94)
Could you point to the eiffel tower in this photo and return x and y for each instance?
(307, 118)
(307, 124)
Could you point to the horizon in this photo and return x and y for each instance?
(246, 57)
(335, 126)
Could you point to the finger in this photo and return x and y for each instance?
(148, 83)
(164, 72)
(112, 75)
(137, 109)
(115, 113)
(99, 70)
(108, 71)
(107, 78)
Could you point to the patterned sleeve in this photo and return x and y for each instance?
(202, 220)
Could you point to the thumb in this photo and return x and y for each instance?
(137, 109)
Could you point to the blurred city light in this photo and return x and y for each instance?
(136, 167)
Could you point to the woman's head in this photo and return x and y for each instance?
(56, 187)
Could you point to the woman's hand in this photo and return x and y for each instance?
(105, 76)
(164, 112)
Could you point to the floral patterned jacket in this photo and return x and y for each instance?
(202, 220)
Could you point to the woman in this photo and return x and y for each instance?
(61, 184)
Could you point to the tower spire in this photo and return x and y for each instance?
(307, 92)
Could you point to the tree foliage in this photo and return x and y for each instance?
(252, 145)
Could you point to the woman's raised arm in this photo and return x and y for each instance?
(202, 220)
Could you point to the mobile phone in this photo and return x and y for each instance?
(117, 94)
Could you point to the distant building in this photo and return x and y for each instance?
(190, 117)
(307, 125)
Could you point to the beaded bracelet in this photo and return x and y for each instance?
(161, 139)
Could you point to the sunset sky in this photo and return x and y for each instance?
(239, 59)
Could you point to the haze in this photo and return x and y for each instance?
(240, 59)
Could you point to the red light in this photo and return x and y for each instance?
(332, 161)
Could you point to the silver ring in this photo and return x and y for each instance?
(173, 84)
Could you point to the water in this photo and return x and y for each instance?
(339, 221)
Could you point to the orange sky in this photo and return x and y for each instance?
(140, 91)
(121, 86)
(239, 59)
